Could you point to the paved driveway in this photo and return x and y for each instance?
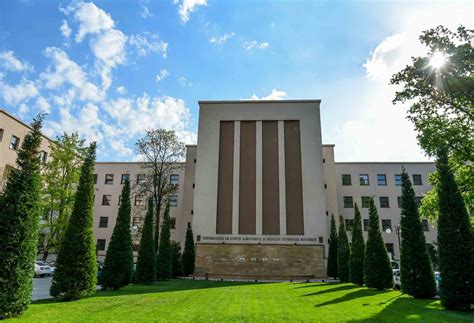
(41, 288)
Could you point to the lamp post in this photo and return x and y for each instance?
(397, 231)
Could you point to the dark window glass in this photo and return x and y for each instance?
(348, 202)
(365, 201)
(417, 179)
(106, 199)
(398, 180)
(173, 200)
(109, 179)
(136, 247)
(366, 225)
(364, 179)
(139, 200)
(349, 224)
(95, 178)
(140, 178)
(384, 201)
(173, 223)
(418, 200)
(125, 177)
(136, 221)
(399, 201)
(390, 249)
(100, 244)
(381, 179)
(120, 200)
(424, 224)
(174, 179)
(14, 143)
(103, 222)
(346, 179)
(386, 224)
(1, 134)
(43, 156)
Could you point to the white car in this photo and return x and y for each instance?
(42, 269)
(397, 284)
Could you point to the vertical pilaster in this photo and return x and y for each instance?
(281, 175)
(236, 179)
(259, 178)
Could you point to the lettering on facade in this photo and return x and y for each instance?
(259, 239)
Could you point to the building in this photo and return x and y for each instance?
(259, 189)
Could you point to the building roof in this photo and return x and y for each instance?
(24, 124)
(257, 101)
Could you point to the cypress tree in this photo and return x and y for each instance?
(343, 252)
(415, 269)
(189, 253)
(118, 265)
(377, 270)
(332, 254)
(146, 263)
(76, 265)
(455, 241)
(176, 260)
(19, 220)
(163, 263)
(356, 268)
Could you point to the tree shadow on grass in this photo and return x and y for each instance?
(307, 285)
(332, 290)
(350, 296)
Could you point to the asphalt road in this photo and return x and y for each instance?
(41, 288)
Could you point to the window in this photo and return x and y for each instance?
(1, 134)
(349, 224)
(174, 179)
(364, 179)
(109, 179)
(100, 244)
(417, 179)
(104, 221)
(386, 224)
(424, 225)
(346, 180)
(136, 247)
(418, 200)
(43, 156)
(95, 178)
(173, 200)
(390, 249)
(136, 221)
(348, 202)
(120, 199)
(139, 200)
(381, 179)
(398, 180)
(140, 178)
(106, 199)
(173, 223)
(125, 177)
(366, 225)
(399, 201)
(384, 202)
(365, 201)
(14, 143)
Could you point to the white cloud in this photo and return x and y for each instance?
(144, 11)
(23, 110)
(188, 137)
(186, 7)
(184, 82)
(222, 39)
(162, 75)
(148, 43)
(91, 19)
(274, 95)
(14, 94)
(65, 30)
(10, 62)
(249, 45)
(120, 147)
(121, 90)
(43, 104)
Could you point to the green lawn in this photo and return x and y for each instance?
(202, 301)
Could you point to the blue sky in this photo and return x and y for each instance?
(112, 69)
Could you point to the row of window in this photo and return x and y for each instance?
(381, 179)
(138, 200)
(136, 221)
(109, 179)
(383, 200)
(15, 145)
(386, 224)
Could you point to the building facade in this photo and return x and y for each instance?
(259, 189)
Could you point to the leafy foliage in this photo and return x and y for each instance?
(146, 263)
(19, 217)
(189, 253)
(356, 266)
(163, 263)
(76, 265)
(118, 265)
(332, 254)
(343, 252)
(176, 260)
(415, 272)
(377, 269)
(455, 240)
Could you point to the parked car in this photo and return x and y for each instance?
(42, 269)
(437, 277)
(397, 284)
(395, 265)
(53, 267)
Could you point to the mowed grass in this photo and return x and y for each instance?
(204, 301)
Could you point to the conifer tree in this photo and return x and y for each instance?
(332, 254)
(377, 270)
(118, 265)
(19, 220)
(146, 263)
(455, 241)
(189, 253)
(343, 252)
(76, 265)
(415, 269)
(356, 270)
(163, 263)
(176, 260)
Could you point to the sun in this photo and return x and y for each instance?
(438, 60)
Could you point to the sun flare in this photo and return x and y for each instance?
(438, 60)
